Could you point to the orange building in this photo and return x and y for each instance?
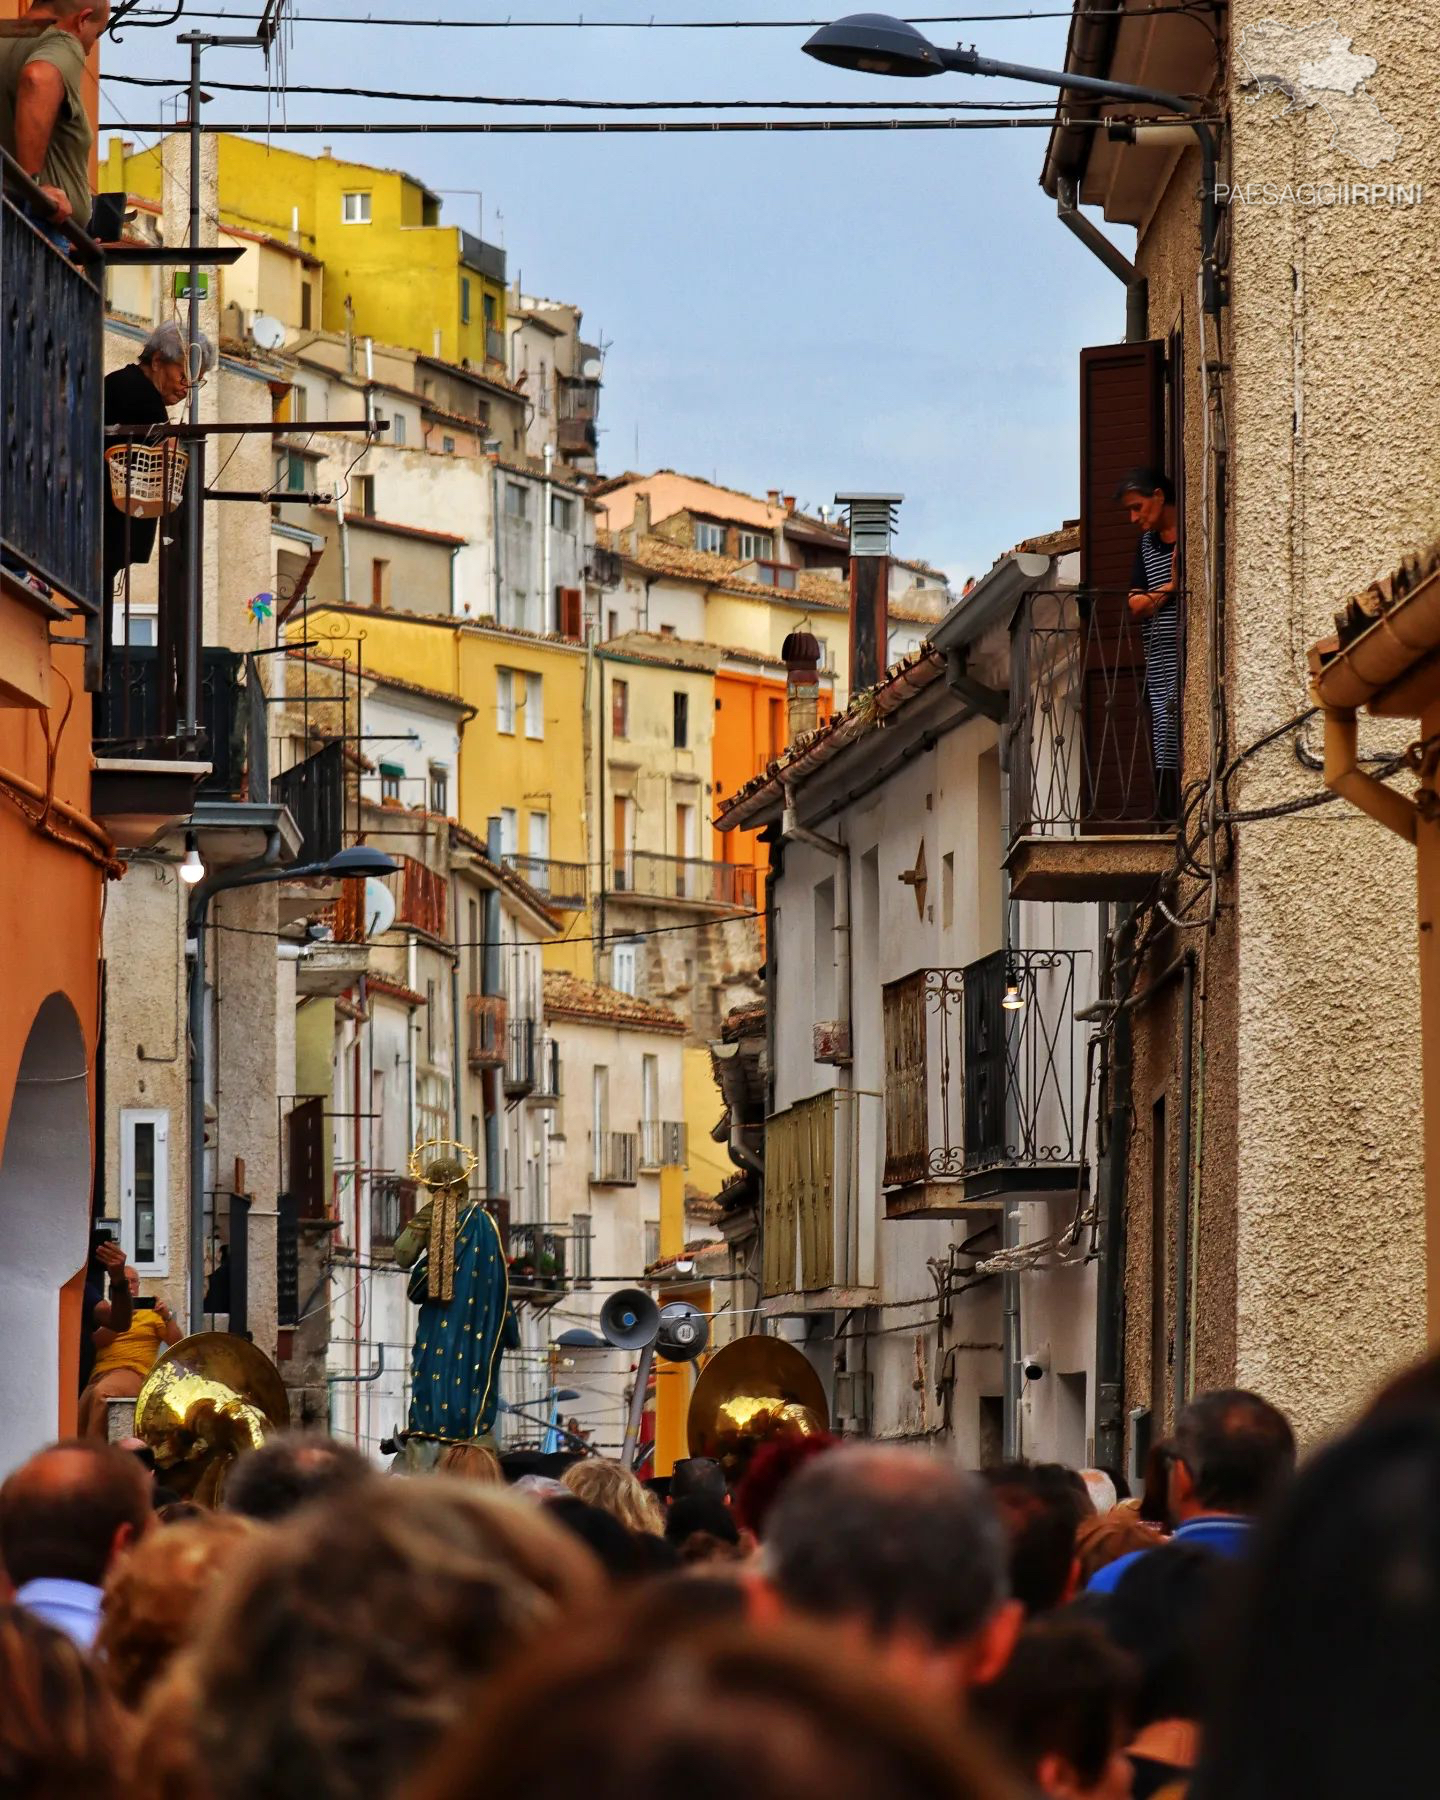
(750, 733)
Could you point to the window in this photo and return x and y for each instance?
(364, 489)
(295, 477)
(612, 624)
(684, 832)
(825, 662)
(509, 831)
(652, 1242)
(542, 397)
(580, 1264)
(625, 965)
(534, 706)
(142, 628)
(354, 209)
(667, 631)
(776, 716)
(622, 849)
(776, 575)
(539, 836)
(649, 1088)
(379, 582)
(562, 512)
(391, 775)
(464, 299)
(473, 954)
(599, 1106)
(439, 788)
(299, 405)
(756, 544)
(397, 429)
(710, 536)
(430, 1021)
(620, 709)
(505, 701)
(681, 715)
(145, 1188)
(306, 302)
(489, 309)
(517, 501)
(570, 612)
(447, 444)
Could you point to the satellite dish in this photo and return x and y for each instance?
(591, 368)
(267, 332)
(379, 907)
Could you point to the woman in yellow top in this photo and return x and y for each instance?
(123, 1358)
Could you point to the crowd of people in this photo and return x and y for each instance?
(852, 1619)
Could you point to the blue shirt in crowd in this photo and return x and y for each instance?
(70, 1606)
(1224, 1533)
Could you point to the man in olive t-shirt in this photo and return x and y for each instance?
(43, 121)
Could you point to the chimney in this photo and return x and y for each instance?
(773, 496)
(789, 505)
(872, 521)
(642, 516)
(801, 655)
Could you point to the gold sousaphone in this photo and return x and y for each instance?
(209, 1398)
(754, 1390)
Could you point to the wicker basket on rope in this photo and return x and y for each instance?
(147, 480)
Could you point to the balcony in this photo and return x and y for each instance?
(561, 883)
(984, 1100)
(816, 1241)
(314, 791)
(1090, 818)
(419, 895)
(520, 1040)
(577, 436)
(487, 1014)
(662, 1143)
(394, 1201)
(615, 1159)
(51, 443)
(684, 880)
(537, 1256)
(547, 1091)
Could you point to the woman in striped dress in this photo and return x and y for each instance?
(1149, 497)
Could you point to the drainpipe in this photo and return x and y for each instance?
(547, 598)
(1110, 1269)
(1182, 1203)
(344, 546)
(1137, 289)
(1344, 776)
(412, 975)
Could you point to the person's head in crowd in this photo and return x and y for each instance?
(156, 1596)
(288, 1470)
(346, 1641)
(1231, 1454)
(1103, 1540)
(697, 1477)
(690, 1599)
(474, 1462)
(616, 1490)
(61, 1734)
(698, 1513)
(1101, 1489)
(614, 1546)
(901, 1554)
(625, 1710)
(1042, 1506)
(1060, 1709)
(768, 1472)
(1152, 1507)
(1333, 1660)
(1166, 1612)
(66, 1516)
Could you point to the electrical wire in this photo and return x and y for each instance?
(580, 23)
(608, 937)
(620, 128)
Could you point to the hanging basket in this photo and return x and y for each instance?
(147, 480)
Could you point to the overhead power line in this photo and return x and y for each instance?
(619, 128)
(365, 93)
(580, 23)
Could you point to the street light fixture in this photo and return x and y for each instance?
(354, 863)
(875, 44)
(191, 868)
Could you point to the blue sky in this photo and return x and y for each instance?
(883, 311)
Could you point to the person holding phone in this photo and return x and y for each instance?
(123, 1357)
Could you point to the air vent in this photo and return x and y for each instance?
(871, 520)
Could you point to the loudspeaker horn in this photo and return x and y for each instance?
(684, 1332)
(629, 1319)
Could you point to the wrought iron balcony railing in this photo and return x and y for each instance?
(1096, 727)
(984, 1068)
(487, 1013)
(537, 1258)
(314, 791)
(520, 1040)
(52, 312)
(131, 717)
(662, 1143)
(547, 1090)
(394, 1200)
(615, 1159)
(655, 877)
(563, 883)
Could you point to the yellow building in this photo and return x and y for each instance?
(391, 269)
(521, 761)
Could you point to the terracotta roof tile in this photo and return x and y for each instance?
(568, 997)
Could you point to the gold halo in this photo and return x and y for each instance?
(432, 1151)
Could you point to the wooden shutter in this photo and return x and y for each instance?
(307, 1157)
(1122, 427)
(568, 610)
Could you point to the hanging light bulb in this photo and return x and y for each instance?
(1014, 1000)
(191, 867)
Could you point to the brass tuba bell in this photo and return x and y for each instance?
(209, 1398)
(754, 1390)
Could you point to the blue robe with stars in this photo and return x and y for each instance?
(454, 1368)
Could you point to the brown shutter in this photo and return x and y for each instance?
(568, 608)
(1122, 427)
(307, 1157)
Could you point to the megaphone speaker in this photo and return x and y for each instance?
(629, 1319)
(684, 1332)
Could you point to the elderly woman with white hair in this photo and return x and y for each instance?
(141, 394)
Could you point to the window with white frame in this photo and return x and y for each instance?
(505, 701)
(145, 1187)
(710, 536)
(624, 965)
(391, 775)
(355, 209)
(756, 544)
(439, 788)
(539, 837)
(397, 428)
(517, 501)
(652, 1242)
(299, 404)
(509, 831)
(534, 706)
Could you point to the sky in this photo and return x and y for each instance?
(883, 312)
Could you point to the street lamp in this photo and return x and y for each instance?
(356, 862)
(875, 44)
